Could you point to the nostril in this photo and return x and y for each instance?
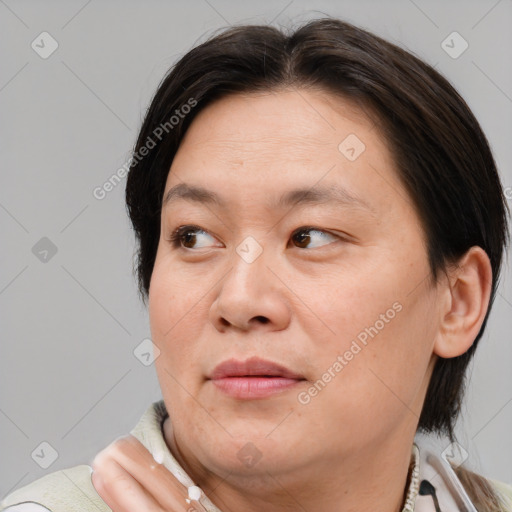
(262, 319)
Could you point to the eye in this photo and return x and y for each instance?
(193, 237)
(309, 235)
(190, 237)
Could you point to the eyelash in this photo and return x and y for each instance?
(177, 235)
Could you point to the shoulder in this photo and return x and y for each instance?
(67, 490)
(71, 489)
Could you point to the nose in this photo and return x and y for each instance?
(250, 297)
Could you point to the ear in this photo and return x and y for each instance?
(467, 294)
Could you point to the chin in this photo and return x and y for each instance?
(252, 453)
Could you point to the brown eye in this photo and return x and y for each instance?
(305, 236)
(190, 237)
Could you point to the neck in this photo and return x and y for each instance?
(371, 479)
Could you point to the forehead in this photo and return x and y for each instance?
(313, 119)
(265, 142)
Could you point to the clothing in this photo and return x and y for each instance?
(71, 490)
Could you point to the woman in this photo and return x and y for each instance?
(321, 227)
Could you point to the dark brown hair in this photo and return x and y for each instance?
(441, 154)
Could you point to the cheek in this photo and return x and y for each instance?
(173, 315)
(174, 300)
(359, 307)
(377, 337)
(365, 389)
(176, 315)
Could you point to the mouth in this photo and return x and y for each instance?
(253, 378)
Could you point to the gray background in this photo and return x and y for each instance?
(70, 325)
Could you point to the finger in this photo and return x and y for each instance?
(99, 484)
(119, 490)
(156, 480)
(159, 481)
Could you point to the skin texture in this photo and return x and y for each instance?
(301, 303)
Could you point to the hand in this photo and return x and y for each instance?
(127, 478)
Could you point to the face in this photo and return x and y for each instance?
(293, 308)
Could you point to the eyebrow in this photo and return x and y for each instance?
(303, 196)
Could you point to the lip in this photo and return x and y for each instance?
(253, 378)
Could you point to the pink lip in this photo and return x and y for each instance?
(253, 378)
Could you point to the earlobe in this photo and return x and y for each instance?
(468, 292)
